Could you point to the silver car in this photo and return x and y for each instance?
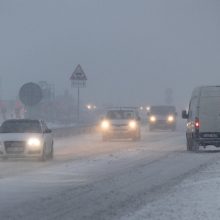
(26, 138)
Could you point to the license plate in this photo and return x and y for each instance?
(15, 149)
(210, 135)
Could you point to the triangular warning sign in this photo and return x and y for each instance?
(78, 74)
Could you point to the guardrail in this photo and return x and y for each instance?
(71, 131)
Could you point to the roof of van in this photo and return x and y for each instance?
(207, 91)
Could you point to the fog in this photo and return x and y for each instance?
(131, 50)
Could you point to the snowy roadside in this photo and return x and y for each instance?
(197, 197)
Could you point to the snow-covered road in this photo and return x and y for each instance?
(89, 179)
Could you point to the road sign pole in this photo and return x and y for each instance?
(78, 79)
(78, 107)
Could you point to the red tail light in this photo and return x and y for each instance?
(197, 123)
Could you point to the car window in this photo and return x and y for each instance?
(192, 108)
(21, 127)
(120, 114)
(162, 110)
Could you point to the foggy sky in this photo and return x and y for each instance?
(131, 50)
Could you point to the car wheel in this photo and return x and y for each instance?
(105, 138)
(188, 144)
(137, 137)
(43, 156)
(51, 152)
(195, 145)
(151, 128)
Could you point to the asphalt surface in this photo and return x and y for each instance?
(91, 179)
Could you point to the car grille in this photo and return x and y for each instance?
(14, 147)
(162, 121)
(120, 127)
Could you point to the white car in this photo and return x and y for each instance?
(26, 138)
(121, 123)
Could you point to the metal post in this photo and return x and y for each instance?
(78, 107)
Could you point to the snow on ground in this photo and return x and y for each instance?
(197, 197)
(91, 179)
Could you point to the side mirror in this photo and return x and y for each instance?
(185, 115)
(48, 131)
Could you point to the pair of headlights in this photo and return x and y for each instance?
(105, 124)
(170, 118)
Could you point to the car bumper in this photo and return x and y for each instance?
(22, 154)
(120, 133)
(162, 125)
(208, 141)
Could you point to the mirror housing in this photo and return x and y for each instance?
(48, 131)
(185, 115)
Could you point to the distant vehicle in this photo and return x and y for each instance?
(26, 138)
(121, 123)
(203, 118)
(162, 117)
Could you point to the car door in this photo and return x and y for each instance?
(210, 114)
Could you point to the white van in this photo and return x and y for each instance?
(203, 118)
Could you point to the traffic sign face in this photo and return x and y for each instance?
(78, 77)
(30, 94)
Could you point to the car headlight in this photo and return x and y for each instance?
(132, 124)
(153, 118)
(170, 118)
(34, 144)
(105, 124)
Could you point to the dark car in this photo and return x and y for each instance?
(162, 117)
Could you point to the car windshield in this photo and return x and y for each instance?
(162, 110)
(21, 127)
(120, 114)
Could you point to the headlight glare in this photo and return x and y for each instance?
(105, 124)
(170, 118)
(34, 143)
(153, 118)
(132, 124)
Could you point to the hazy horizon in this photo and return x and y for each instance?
(130, 50)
